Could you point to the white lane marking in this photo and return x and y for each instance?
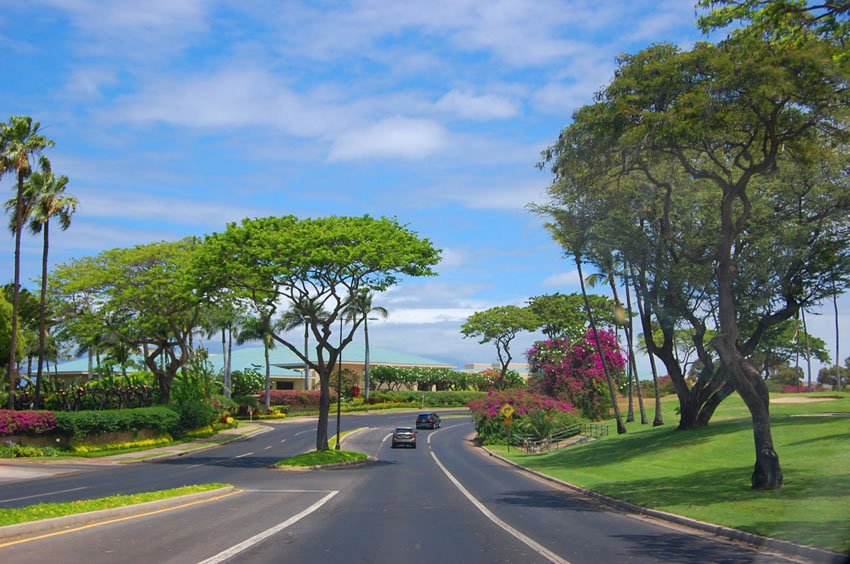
(302, 432)
(267, 448)
(243, 455)
(41, 494)
(441, 429)
(283, 441)
(246, 544)
(385, 439)
(532, 544)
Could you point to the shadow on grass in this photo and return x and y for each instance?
(827, 438)
(722, 485)
(831, 535)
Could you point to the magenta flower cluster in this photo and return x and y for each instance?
(295, 397)
(26, 422)
(573, 371)
(521, 400)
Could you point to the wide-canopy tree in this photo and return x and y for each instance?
(500, 325)
(143, 295)
(721, 124)
(317, 267)
(563, 315)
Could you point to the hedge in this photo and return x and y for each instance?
(294, 397)
(95, 422)
(431, 399)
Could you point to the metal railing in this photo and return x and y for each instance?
(530, 444)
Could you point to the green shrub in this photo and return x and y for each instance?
(95, 422)
(431, 399)
(247, 382)
(194, 415)
(20, 451)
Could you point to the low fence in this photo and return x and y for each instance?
(560, 438)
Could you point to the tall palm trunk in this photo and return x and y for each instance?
(630, 371)
(658, 420)
(42, 315)
(366, 364)
(621, 428)
(13, 341)
(268, 374)
(839, 385)
(808, 351)
(306, 362)
(630, 331)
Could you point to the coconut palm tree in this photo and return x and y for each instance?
(295, 317)
(47, 193)
(259, 329)
(361, 306)
(21, 142)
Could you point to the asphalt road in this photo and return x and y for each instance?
(443, 502)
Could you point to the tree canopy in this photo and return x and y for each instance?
(317, 267)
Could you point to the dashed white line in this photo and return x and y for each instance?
(243, 455)
(246, 544)
(41, 494)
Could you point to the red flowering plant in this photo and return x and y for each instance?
(528, 407)
(572, 371)
(26, 422)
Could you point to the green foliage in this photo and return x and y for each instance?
(248, 381)
(198, 382)
(79, 424)
(564, 315)
(430, 399)
(397, 378)
(194, 414)
(542, 423)
(26, 451)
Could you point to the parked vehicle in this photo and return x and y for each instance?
(428, 420)
(404, 436)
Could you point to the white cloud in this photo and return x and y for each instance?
(510, 196)
(393, 137)
(468, 105)
(420, 316)
(146, 206)
(561, 279)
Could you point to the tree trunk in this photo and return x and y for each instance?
(808, 352)
(268, 374)
(306, 363)
(630, 333)
(658, 420)
(749, 384)
(324, 409)
(366, 365)
(16, 290)
(839, 386)
(621, 428)
(42, 315)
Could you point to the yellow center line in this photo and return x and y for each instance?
(117, 520)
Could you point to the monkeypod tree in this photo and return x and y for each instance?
(317, 268)
(726, 122)
(142, 296)
(500, 325)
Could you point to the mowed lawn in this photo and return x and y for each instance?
(705, 473)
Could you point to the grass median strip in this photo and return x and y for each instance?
(704, 473)
(321, 458)
(37, 512)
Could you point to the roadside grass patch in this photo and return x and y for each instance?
(13, 516)
(705, 473)
(322, 458)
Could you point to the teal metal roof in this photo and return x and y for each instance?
(280, 357)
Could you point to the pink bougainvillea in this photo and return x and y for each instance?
(522, 401)
(573, 371)
(295, 397)
(26, 422)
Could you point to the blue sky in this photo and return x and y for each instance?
(172, 118)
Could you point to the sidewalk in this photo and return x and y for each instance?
(15, 469)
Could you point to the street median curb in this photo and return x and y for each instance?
(10, 532)
(783, 546)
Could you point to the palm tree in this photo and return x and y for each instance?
(47, 193)
(295, 317)
(21, 141)
(259, 329)
(361, 306)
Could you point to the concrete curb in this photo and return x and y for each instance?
(9, 532)
(785, 547)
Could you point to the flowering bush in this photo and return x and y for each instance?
(573, 371)
(791, 389)
(26, 422)
(529, 408)
(295, 397)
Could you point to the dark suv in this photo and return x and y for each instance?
(428, 421)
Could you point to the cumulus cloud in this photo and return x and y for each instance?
(561, 279)
(400, 137)
(468, 105)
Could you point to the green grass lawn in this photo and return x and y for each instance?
(322, 458)
(705, 473)
(13, 516)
